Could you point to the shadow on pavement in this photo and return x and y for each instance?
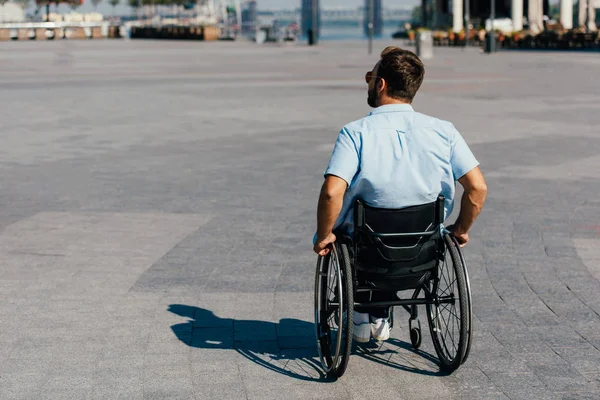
(400, 355)
(287, 347)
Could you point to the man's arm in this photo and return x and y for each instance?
(471, 204)
(330, 206)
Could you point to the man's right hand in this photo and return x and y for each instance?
(471, 204)
(322, 247)
(461, 236)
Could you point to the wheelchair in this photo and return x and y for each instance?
(394, 251)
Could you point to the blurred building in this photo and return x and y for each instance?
(11, 12)
(440, 12)
(377, 17)
(311, 15)
(249, 16)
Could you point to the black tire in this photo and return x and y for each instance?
(450, 334)
(469, 302)
(415, 338)
(334, 325)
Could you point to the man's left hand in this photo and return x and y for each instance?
(323, 247)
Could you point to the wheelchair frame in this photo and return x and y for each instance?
(336, 275)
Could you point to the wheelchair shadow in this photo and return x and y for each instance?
(287, 347)
(400, 355)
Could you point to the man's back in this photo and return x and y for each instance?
(396, 157)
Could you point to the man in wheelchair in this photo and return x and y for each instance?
(395, 158)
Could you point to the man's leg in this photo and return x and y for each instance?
(362, 324)
(376, 319)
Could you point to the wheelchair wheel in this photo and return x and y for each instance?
(449, 313)
(334, 306)
(469, 301)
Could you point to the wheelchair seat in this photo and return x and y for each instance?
(396, 249)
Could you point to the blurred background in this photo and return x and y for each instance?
(516, 23)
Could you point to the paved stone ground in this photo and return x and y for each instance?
(158, 200)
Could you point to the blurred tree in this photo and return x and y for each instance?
(114, 4)
(417, 16)
(95, 3)
(135, 5)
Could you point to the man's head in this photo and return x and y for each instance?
(396, 77)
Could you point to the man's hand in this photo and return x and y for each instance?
(471, 204)
(461, 236)
(323, 247)
(330, 205)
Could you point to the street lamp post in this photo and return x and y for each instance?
(370, 25)
(314, 21)
(490, 37)
(467, 18)
(492, 33)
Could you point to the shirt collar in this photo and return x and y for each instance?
(392, 108)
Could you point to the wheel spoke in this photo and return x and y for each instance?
(451, 338)
(445, 291)
(446, 309)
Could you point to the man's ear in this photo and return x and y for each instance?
(381, 85)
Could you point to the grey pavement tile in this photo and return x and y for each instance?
(175, 394)
(516, 385)
(168, 347)
(585, 358)
(130, 362)
(117, 380)
(19, 385)
(559, 336)
(22, 394)
(170, 377)
(73, 379)
(132, 331)
(69, 393)
(166, 359)
(592, 395)
(126, 348)
(209, 390)
(559, 377)
(131, 393)
(214, 356)
(472, 383)
(499, 361)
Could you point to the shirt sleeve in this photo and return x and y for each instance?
(345, 158)
(462, 159)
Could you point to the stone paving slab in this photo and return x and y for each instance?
(158, 204)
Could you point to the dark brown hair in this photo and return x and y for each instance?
(403, 72)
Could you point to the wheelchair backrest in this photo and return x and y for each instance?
(398, 235)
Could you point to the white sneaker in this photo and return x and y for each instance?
(380, 329)
(362, 327)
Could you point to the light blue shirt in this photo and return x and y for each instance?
(395, 158)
